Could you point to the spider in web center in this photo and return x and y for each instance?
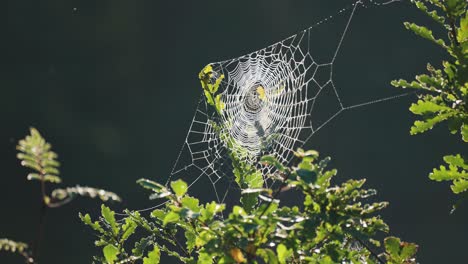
(254, 99)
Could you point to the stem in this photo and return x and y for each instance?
(42, 217)
(60, 203)
(40, 230)
(180, 246)
(278, 191)
(275, 195)
(453, 31)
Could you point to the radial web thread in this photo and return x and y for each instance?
(270, 96)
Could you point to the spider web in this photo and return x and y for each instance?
(274, 103)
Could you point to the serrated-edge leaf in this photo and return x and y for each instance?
(12, 246)
(423, 107)
(154, 256)
(110, 253)
(421, 126)
(392, 246)
(84, 191)
(408, 251)
(140, 246)
(109, 216)
(86, 219)
(128, 229)
(424, 32)
(456, 160)
(444, 173)
(459, 186)
(464, 132)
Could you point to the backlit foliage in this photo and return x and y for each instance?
(330, 224)
(36, 153)
(333, 223)
(444, 90)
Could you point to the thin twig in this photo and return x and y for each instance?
(42, 215)
(278, 191)
(375, 255)
(275, 195)
(40, 230)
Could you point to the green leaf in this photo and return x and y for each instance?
(254, 179)
(447, 173)
(109, 216)
(283, 253)
(425, 33)
(462, 32)
(191, 239)
(110, 253)
(238, 211)
(459, 186)
(203, 237)
(128, 229)
(392, 246)
(160, 190)
(171, 217)
(209, 97)
(409, 250)
(191, 203)
(12, 246)
(271, 160)
(35, 153)
(86, 219)
(141, 246)
(433, 14)
(300, 153)
(425, 107)
(204, 258)
(159, 214)
(405, 84)
(220, 105)
(249, 201)
(46, 178)
(267, 255)
(427, 124)
(444, 174)
(179, 187)
(153, 256)
(464, 132)
(71, 192)
(456, 7)
(399, 252)
(210, 210)
(456, 160)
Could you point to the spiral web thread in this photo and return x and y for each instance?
(270, 98)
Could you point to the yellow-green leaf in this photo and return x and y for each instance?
(110, 253)
(153, 256)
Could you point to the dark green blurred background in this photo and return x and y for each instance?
(113, 85)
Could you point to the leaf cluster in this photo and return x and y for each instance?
(210, 82)
(444, 90)
(456, 171)
(332, 224)
(16, 247)
(36, 154)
